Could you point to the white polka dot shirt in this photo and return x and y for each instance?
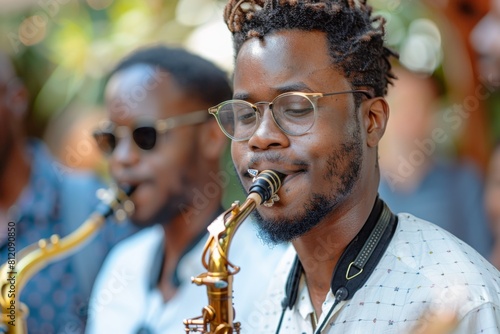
(424, 267)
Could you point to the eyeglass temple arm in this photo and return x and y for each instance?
(187, 119)
(364, 92)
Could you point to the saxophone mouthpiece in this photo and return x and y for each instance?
(128, 189)
(266, 185)
(253, 173)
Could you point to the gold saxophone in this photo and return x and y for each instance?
(218, 316)
(16, 272)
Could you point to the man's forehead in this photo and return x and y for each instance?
(286, 54)
(139, 77)
(283, 43)
(285, 59)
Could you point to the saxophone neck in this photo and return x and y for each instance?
(223, 228)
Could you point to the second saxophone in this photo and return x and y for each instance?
(15, 273)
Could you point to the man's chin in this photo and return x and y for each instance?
(275, 232)
(163, 215)
(286, 229)
(270, 238)
(143, 220)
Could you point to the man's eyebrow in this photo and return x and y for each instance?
(295, 87)
(241, 96)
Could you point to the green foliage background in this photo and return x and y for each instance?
(64, 48)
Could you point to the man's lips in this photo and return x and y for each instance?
(289, 173)
(130, 179)
(136, 184)
(292, 176)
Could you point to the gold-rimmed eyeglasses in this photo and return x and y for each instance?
(293, 112)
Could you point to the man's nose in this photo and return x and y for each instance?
(267, 134)
(126, 151)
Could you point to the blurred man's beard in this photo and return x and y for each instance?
(285, 230)
(164, 216)
(178, 203)
(175, 205)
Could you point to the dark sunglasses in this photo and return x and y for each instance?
(145, 136)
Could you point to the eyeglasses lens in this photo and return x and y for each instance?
(145, 137)
(106, 141)
(294, 114)
(238, 119)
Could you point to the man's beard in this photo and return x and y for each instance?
(314, 211)
(164, 215)
(179, 202)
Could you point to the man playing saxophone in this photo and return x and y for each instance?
(160, 138)
(309, 84)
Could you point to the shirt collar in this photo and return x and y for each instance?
(304, 303)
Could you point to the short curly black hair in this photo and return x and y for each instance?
(355, 36)
(196, 75)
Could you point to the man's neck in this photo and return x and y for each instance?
(320, 249)
(179, 236)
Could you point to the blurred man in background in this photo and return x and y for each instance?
(492, 201)
(485, 39)
(40, 197)
(159, 138)
(418, 176)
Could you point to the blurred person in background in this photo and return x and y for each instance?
(42, 197)
(69, 137)
(492, 201)
(180, 184)
(417, 177)
(485, 40)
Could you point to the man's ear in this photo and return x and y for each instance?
(212, 141)
(375, 117)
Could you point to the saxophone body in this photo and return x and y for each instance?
(14, 274)
(218, 316)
